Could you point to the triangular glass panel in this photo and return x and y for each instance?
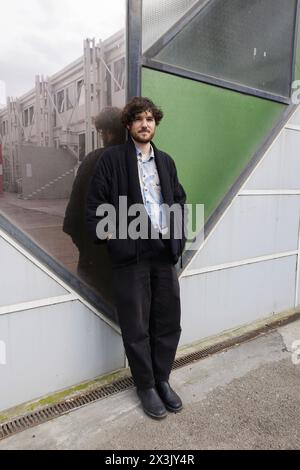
(244, 42)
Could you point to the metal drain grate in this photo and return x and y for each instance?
(53, 411)
(205, 352)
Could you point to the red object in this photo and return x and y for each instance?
(1, 171)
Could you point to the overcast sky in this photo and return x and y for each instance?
(43, 36)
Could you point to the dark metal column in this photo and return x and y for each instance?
(295, 48)
(133, 48)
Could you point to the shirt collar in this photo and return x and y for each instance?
(144, 158)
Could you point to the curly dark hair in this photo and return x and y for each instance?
(140, 105)
(109, 119)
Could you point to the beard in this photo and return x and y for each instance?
(141, 137)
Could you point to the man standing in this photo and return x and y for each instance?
(145, 281)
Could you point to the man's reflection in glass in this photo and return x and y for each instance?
(94, 265)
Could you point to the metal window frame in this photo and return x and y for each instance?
(133, 48)
(136, 61)
(296, 33)
(199, 77)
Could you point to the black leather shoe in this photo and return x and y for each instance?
(152, 404)
(171, 400)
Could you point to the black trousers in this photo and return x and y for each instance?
(148, 305)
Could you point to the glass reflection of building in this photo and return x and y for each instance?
(45, 135)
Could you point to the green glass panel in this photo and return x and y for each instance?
(210, 132)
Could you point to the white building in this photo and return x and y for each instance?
(58, 112)
(2, 94)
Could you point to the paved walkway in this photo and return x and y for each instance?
(245, 398)
(42, 220)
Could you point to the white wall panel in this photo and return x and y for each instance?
(295, 120)
(55, 347)
(21, 280)
(298, 297)
(221, 300)
(280, 168)
(254, 226)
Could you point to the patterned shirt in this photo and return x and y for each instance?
(151, 189)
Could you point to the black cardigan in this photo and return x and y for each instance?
(117, 175)
(74, 221)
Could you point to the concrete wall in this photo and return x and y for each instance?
(52, 339)
(21, 280)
